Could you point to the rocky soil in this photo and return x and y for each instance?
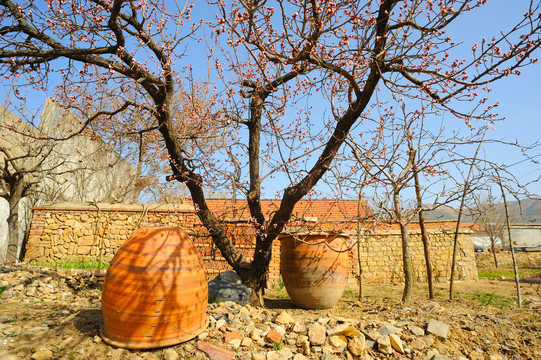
(55, 314)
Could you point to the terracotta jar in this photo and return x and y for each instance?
(155, 291)
(315, 269)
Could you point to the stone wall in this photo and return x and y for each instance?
(68, 231)
(381, 256)
(72, 231)
(525, 260)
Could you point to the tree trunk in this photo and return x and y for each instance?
(406, 256)
(455, 240)
(406, 262)
(16, 193)
(424, 237)
(494, 253)
(360, 274)
(257, 282)
(511, 247)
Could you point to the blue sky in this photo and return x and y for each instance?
(519, 97)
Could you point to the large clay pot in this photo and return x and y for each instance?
(155, 291)
(315, 269)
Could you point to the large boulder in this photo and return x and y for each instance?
(220, 291)
(229, 276)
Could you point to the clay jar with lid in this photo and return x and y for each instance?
(155, 291)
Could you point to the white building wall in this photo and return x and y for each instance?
(88, 170)
(523, 236)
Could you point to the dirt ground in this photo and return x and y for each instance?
(484, 320)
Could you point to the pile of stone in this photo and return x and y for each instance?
(24, 283)
(272, 335)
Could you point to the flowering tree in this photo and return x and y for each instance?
(274, 57)
(134, 133)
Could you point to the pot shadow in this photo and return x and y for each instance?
(88, 321)
(280, 304)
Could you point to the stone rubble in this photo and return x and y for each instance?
(245, 332)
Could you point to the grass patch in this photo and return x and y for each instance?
(281, 293)
(508, 273)
(486, 299)
(281, 283)
(81, 264)
(278, 290)
(351, 293)
(1, 291)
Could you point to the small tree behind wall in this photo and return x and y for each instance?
(487, 214)
(399, 152)
(508, 229)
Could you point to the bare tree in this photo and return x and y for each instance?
(487, 215)
(401, 150)
(465, 189)
(508, 227)
(21, 169)
(421, 217)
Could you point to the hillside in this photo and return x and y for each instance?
(528, 210)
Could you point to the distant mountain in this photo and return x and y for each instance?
(531, 210)
(442, 213)
(528, 211)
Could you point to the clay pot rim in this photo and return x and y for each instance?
(301, 234)
(136, 345)
(316, 239)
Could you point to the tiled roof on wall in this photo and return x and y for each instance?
(320, 210)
